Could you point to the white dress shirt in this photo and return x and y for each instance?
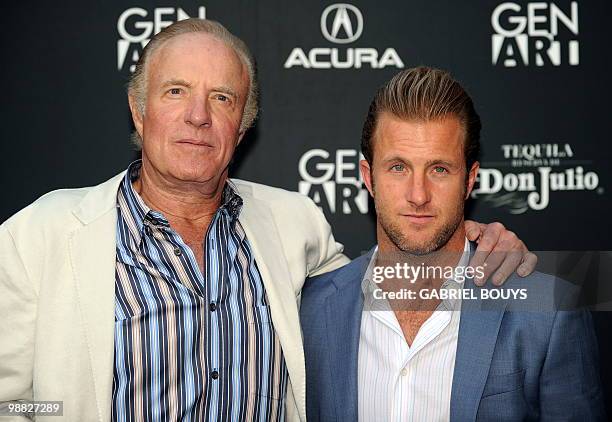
(397, 382)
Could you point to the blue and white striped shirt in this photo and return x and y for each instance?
(191, 345)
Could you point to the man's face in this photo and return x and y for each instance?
(418, 181)
(196, 92)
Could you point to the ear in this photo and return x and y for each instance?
(136, 115)
(472, 178)
(366, 175)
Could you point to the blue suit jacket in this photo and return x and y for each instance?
(511, 364)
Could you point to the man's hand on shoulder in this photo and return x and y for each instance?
(499, 251)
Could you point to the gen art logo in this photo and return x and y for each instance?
(535, 34)
(136, 26)
(333, 181)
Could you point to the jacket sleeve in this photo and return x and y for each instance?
(570, 388)
(327, 255)
(17, 324)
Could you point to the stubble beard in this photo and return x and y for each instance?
(402, 241)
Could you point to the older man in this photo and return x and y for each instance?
(170, 291)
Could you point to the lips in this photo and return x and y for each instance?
(194, 142)
(419, 218)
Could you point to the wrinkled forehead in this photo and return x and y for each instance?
(193, 54)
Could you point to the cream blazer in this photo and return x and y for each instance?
(57, 291)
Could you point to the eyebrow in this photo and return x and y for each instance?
(429, 163)
(226, 90)
(180, 82)
(436, 162)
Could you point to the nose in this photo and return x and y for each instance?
(198, 112)
(417, 191)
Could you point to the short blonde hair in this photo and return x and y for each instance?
(424, 94)
(137, 86)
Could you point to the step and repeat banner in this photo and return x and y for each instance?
(538, 72)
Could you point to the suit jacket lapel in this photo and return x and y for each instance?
(258, 224)
(343, 313)
(93, 254)
(478, 330)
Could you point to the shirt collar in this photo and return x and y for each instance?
(368, 285)
(143, 216)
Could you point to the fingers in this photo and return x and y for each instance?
(509, 250)
(488, 239)
(491, 237)
(510, 262)
(472, 230)
(490, 264)
(500, 252)
(477, 261)
(530, 260)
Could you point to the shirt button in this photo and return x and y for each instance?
(404, 372)
(212, 306)
(148, 230)
(177, 252)
(214, 375)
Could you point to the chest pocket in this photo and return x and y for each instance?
(503, 383)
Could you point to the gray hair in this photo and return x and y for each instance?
(137, 86)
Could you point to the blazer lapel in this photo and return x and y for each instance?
(478, 330)
(263, 237)
(343, 313)
(93, 254)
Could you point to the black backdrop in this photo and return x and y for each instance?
(538, 73)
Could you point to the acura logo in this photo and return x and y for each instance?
(341, 23)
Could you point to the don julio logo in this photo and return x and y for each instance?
(553, 169)
(334, 183)
(538, 34)
(136, 26)
(342, 23)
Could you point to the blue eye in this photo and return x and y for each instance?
(397, 167)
